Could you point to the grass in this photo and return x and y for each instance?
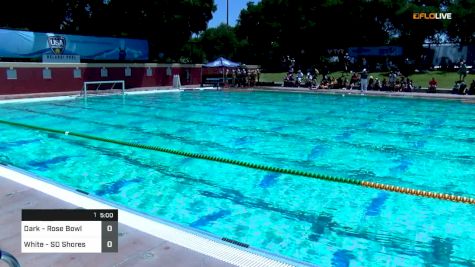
(444, 79)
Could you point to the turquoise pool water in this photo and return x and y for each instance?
(421, 144)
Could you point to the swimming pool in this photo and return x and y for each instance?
(422, 144)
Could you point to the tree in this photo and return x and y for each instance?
(413, 33)
(461, 27)
(276, 28)
(39, 15)
(167, 24)
(219, 42)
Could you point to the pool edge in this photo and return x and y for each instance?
(193, 239)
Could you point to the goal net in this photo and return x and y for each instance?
(103, 87)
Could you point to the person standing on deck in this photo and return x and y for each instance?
(364, 80)
(462, 71)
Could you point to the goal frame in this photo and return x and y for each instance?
(99, 83)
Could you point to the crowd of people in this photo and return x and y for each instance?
(243, 77)
(461, 88)
(395, 80)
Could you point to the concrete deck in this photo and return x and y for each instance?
(77, 93)
(135, 247)
(442, 94)
(464, 98)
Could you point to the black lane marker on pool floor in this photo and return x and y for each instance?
(380, 186)
(153, 104)
(383, 149)
(368, 146)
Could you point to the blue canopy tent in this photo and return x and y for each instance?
(223, 63)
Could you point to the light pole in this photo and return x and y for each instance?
(227, 12)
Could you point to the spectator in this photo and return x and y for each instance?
(252, 77)
(409, 85)
(299, 77)
(384, 85)
(340, 81)
(314, 80)
(289, 81)
(324, 84)
(397, 86)
(371, 83)
(354, 80)
(233, 76)
(364, 80)
(325, 70)
(392, 80)
(456, 88)
(463, 88)
(471, 91)
(432, 86)
(462, 71)
(258, 74)
(238, 78)
(346, 62)
(377, 85)
(308, 80)
(316, 72)
(333, 83)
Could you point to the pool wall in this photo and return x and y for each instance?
(29, 78)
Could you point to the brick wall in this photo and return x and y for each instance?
(29, 76)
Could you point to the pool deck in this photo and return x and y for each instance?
(464, 98)
(135, 247)
(438, 95)
(77, 93)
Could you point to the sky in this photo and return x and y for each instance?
(235, 7)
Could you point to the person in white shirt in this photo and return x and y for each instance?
(364, 80)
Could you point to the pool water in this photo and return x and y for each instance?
(421, 144)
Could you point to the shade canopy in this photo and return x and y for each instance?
(222, 62)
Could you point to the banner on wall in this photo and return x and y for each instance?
(26, 44)
(375, 51)
(448, 54)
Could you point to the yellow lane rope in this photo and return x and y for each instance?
(380, 186)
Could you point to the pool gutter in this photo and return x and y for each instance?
(199, 241)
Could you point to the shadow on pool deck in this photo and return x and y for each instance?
(135, 248)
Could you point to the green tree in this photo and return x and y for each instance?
(461, 27)
(412, 33)
(305, 29)
(219, 42)
(276, 28)
(167, 24)
(39, 15)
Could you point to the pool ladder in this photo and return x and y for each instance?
(9, 259)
